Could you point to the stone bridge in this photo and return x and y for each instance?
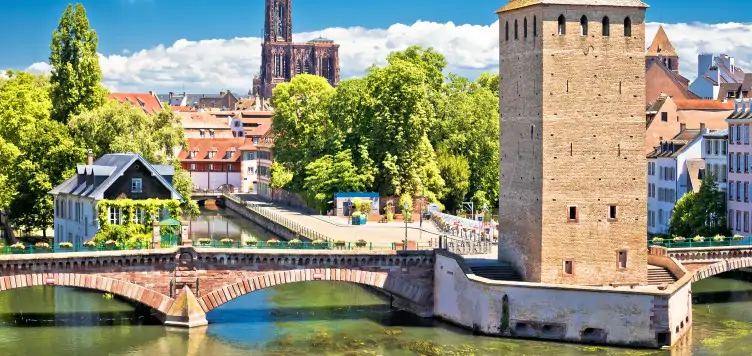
(184, 283)
(706, 262)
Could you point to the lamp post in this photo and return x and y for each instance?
(404, 216)
(485, 211)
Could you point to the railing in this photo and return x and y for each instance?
(287, 245)
(463, 247)
(456, 226)
(707, 242)
(83, 247)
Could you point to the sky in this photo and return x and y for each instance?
(207, 46)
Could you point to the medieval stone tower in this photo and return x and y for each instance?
(572, 204)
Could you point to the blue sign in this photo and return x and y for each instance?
(480, 218)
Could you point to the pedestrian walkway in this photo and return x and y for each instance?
(338, 229)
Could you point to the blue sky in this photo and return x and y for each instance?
(126, 26)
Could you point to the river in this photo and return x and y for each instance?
(316, 318)
(219, 223)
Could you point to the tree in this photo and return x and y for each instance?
(76, 75)
(489, 81)
(281, 176)
(456, 174)
(330, 174)
(702, 213)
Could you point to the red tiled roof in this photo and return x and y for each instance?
(702, 104)
(148, 102)
(203, 146)
(182, 108)
(262, 126)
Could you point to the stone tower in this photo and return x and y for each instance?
(281, 59)
(663, 51)
(572, 206)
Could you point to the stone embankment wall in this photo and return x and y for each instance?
(601, 315)
(274, 228)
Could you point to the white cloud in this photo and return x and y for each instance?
(3, 75)
(216, 64)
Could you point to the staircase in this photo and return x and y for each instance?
(495, 270)
(659, 275)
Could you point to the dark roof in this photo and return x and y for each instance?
(676, 145)
(106, 171)
(742, 110)
(716, 133)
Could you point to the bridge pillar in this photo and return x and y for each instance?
(185, 311)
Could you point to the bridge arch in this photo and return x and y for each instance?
(117, 287)
(721, 267)
(392, 284)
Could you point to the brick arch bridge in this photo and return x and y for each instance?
(184, 283)
(706, 262)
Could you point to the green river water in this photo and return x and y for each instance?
(318, 318)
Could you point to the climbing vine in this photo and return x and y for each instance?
(128, 208)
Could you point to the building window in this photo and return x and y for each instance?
(211, 154)
(627, 27)
(621, 257)
(730, 219)
(255, 140)
(251, 170)
(738, 220)
(738, 191)
(137, 185)
(723, 147)
(612, 213)
(731, 190)
(738, 162)
(606, 24)
(746, 162)
(562, 25)
(664, 116)
(115, 215)
(568, 267)
(535, 26)
(516, 36)
(201, 133)
(506, 30)
(524, 27)
(583, 26)
(746, 221)
(211, 167)
(250, 156)
(139, 216)
(229, 168)
(211, 133)
(572, 214)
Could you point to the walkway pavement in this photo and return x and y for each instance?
(338, 229)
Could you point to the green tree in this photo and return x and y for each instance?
(489, 81)
(702, 213)
(330, 174)
(281, 176)
(456, 174)
(76, 75)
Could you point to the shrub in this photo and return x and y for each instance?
(361, 243)
(90, 243)
(294, 242)
(679, 239)
(272, 242)
(252, 241)
(657, 240)
(204, 241)
(18, 246)
(718, 238)
(227, 241)
(117, 233)
(338, 243)
(65, 245)
(42, 245)
(320, 242)
(698, 238)
(738, 237)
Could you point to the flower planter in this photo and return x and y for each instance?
(16, 251)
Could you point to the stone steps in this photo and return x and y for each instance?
(659, 275)
(496, 272)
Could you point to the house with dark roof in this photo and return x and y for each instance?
(714, 71)
(112, 176)
(224, 100)
(670, 166)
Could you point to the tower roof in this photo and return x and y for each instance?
(661, 46)
(517, 4)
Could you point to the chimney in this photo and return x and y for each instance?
(171, 94)
(90, 157)
(222, 93)
(702, 127)
(682, 127)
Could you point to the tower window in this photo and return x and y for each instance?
(627, 27)
(583, 26)
(524, 27)
(516, 36)
(568, 267)
(506, 35)
(612, 212)
(621, 258)
(535, 26)
(572, 214)
(606, 26)
(562, 25)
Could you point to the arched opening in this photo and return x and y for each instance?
(562, 25)
(506, 30)
(627, 27)
(524, 27)
(583, 26)
(516, 35)
(606, 25)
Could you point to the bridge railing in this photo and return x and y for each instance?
(281, 220)
(462, 246)
(21, 249)
(326, 245)
(705, 242)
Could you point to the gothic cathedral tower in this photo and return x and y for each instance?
(281, 59)
(572, 205)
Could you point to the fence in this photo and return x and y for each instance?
(67, 247)
(293, 245)
(720, 241)
(462, 246)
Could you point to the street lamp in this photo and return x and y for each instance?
(404, 215)
(485, 212)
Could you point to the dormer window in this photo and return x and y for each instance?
(211, 154)
(192, 154)
(201, 133)
(137, 185)
(211, 133)
(228, 154)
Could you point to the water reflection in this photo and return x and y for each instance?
(219, 223)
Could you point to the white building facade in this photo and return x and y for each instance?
(712, 71)
(714, 153)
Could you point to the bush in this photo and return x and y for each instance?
(320, 242)
(90, 243)
(338, 243)
(738, 237)
(227, 241)
(18, 246)
(294, 242)
(698, 238)
(718, 238)
(65, 245)
(389, 216)
(117, 233)
(657, 240)
(272, 242)
(204, 241)
(361, 243)
(252, 241)
(679, 239)
(42, 245)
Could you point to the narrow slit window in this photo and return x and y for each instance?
(606, 26)
(622, 258)
(506, 28)
(567, 85)
(583, 26)
(562, 25)
(568, 267)
(524, 27)
(571, 145)
(627, 27)
(572, 213)
(612, 212)
(516, 34)
(535, 26)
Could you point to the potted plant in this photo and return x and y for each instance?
(227, 242)
(204, 241)
(272, 242)
(718, 238)
(65, 246)
(698, 238)
(294, 243)
(657, 241)
(355, 218)
(338, 243)
(42, 246)
(361, 243)
(679, 239)
(738, 237)
(319, 243)
(18, 247)
(90, 245)
(252, 241)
